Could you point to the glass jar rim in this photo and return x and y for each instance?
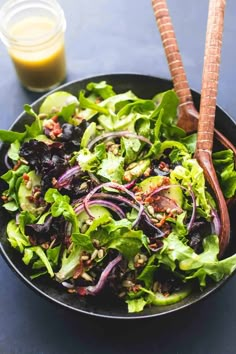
(13, 7)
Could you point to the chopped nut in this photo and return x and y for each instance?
(151, 210)
(127, 283)
(89, 222)
(86, 276)
(100, 253)
(84, 258)
(84, 228)
(155, 287)
(140, 261)
(132, 165)
(147, 172)
(83, 185)
(42, 116)
(96, 243)
(94, 255)
(29, 185)
(54, 110)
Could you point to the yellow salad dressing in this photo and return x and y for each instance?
(38, 66)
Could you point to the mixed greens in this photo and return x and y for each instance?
(106, 198)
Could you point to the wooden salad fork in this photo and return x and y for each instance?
(206, 120)
(187, 115)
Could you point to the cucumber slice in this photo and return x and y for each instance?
(151, 183)
(96, 210)
(160, 300)
(57, 100)
(24, 192)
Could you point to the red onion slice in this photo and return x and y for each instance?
(124, 134)
(104, 203)
(193, 216)
(118, 198)
(144, 217)
(130, 184)
(7, 163)
(67, 176)
(118, 187)
(216, 224)
(93, 290)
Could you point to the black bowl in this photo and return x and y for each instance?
(145, 87)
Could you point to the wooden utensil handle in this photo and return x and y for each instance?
(210, 75)
(170, 45)
(206, 121)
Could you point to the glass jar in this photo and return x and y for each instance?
(33, 31)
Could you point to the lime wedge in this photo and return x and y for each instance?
(56, 101)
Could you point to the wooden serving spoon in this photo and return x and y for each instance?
(188, 115)
(206, 120)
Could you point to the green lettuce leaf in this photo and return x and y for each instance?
(139, 106)
(8, 136)
(67, 112)
(13, 178)
(112, 168)
(224, 164)
(147, 275)
(177, 255)
(83, 241)
(101, 89)
(28, 109)
(15, 237)
(37, 250)
(61, 206)
(13, 152)
(52, 255)
(128, 244)
(130, 149)
(89, 161)
(70, 261)
(136, 305)
(87, 103)
(111, 104)
(190, 173)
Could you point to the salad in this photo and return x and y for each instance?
(105, 197)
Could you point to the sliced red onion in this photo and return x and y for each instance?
(118, 198)
(121, 134)
(104, 203)
(216, 224)
(193, 216)
(93, 290)
(6, 161)
(68, 175)
(130, 184)
(118, 187)
(96, 181)
(144, 217)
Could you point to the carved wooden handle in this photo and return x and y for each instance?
(207, 111)
(170, 45)
(210, 75)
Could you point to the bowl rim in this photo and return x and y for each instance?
(38, 291)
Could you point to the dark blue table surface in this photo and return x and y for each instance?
(113, 36)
